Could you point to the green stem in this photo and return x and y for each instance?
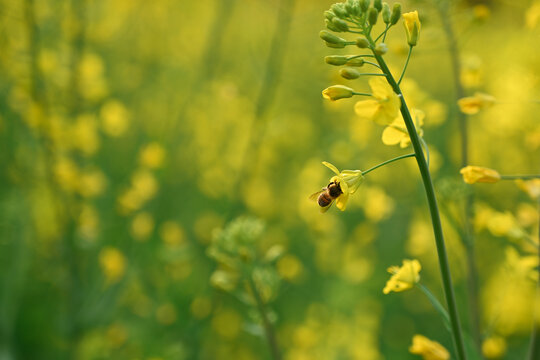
(405, 66)
(268, 329)
(362, 94)
(372, 74)
(370, 63)
(519, 177)
(433, 208)
(387, 162)
(436, 304)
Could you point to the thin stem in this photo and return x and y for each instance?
(383, 34)
(372, 74)
(362, 94)
(519, 177)
(534, 345)
(361, 55)
(405, 66)
(388, 162)
(371, 63)
(433, 208)
(436, 304)
(468, 206)
(268, 328)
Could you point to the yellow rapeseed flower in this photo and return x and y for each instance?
(396, 132)
(412, 27)
(531, 187)
(429, 349)
(404, 277)
(152, 155)
(113, 264)
(340, 187)
(474, 174)
(473, 104)
(384, 107)
(337, 92)
(494, 347)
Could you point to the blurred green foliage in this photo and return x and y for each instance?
(132, 131)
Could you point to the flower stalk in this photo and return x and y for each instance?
(433, 207)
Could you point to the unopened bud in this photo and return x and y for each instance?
(329, 15)
(335, 46)
(349, 73)
(386, 13)
(337, 92)
(336, 60)
(412, 27)
(373, 14)
(355, 62)
(364, 5)
(381, 49)
(377, 4)
(362, 43)
(349, 7)
(341, 25)
(396, 14)
(339, 10)
(331, 38)
(330, 26)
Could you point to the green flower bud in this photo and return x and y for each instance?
(329, 15)
(357, 9)
(336, 60)
(355, 62)
(349, 7)
(339, 10)
(331, 38)
(381, 49)
(330, 26)
(362, 43)
(396, 14)
(339, 24)
(349, 73)
(373, 14)
(377, 4)
(335, 46)
(337, 92)
(386, 14)
(364, 5)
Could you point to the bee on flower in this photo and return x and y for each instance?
(339, 188)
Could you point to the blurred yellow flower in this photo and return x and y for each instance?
(340, 187)
(113, 264)
(474, 174)
(171, 233)
(114, 118)
(532, 15)
(473, 104)
(428, 349)
(337, 92)
(289, 267)
(396, 132)
(384, 108)
(531, 187)
(92, 183)
(152, 155)
(412, 27)
(142, 226)
(201, 307)
(117, 335)
(481, 12)
(66, 174)
(84, 134)
(404, 277)
(227, 323)
(494, 347)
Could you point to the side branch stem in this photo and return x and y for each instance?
(433, 208)
(388, 162)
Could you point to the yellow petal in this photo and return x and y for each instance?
(331, 167)
(366, 108)
(341, 201)
(392, 136)
(380, 88)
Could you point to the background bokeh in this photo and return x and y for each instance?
(131, 130)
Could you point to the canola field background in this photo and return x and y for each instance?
(132, 131)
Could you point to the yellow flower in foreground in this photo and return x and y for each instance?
(403, 278)
(473, 104)
(384, 108)
(412, 27)
(340, 187)
(430, 350)
(337, 92)
(396, 132)
(474, 174)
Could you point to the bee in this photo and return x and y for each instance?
(327, 195)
